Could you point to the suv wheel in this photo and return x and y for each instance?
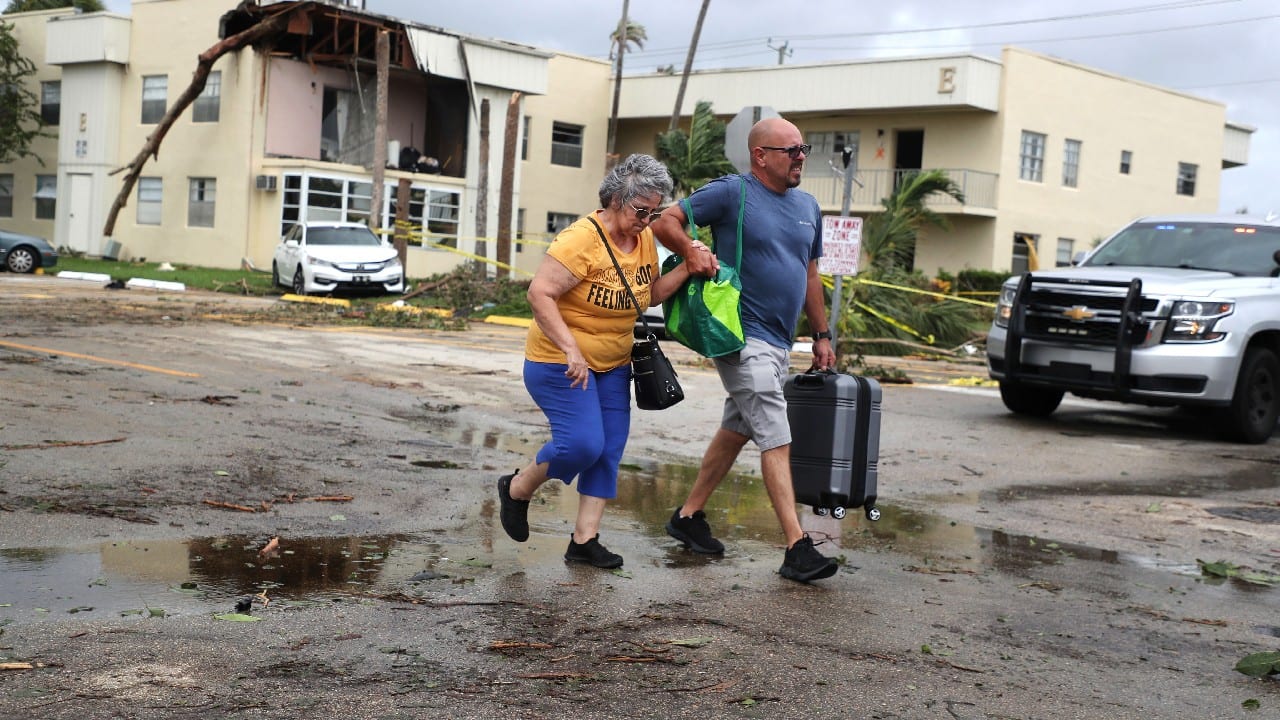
(1029, 399)
(1255, 406)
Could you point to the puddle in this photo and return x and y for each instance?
(1258, 477)
(203, 575)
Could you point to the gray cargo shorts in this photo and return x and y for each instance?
(756, 408)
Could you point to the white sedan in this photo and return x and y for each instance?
(325, 257)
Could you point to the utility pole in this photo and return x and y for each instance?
(482, 190)
(783, 52)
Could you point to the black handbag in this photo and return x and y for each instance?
(654, 379)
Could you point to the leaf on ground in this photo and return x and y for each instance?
(472, 562)
(1154, 507)
(221, 473)
(155, 612)
(693, 642)
(622, 573)
(1251, 704)
(236, 617)
(338, 518)
(1217, 569)
(1259, 664)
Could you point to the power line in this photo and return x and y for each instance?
(1178, 5)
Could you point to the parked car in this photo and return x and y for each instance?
(328, 257)
(25, 253)
(1173, 310)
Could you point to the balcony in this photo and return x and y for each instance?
(979, 190)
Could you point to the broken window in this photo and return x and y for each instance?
(347, 124)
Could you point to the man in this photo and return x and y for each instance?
(781, 243)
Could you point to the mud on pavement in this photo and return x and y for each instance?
(153, 447)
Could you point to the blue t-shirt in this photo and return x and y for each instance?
(781, 234)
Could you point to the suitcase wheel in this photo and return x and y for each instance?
(873, 513)
(837, 512)
(819, 511)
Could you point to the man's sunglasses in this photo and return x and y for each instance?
(793, 151)
(642, 213)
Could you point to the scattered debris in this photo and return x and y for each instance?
(228, 506)
(61, 444)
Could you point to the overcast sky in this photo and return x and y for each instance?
(1216, 49)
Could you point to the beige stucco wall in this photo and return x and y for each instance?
(579, 91)
(1109, 114)
(221, 150)
(29, 30)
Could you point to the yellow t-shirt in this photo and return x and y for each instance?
(597, 310)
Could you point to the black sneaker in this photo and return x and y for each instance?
(803, 563)
(514, 513)
(694, 532)
(593, 553)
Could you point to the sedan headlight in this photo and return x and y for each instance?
(1004, 306)
(315, 261)
(394, 262)
(1196, 320)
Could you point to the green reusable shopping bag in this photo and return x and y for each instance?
(703, 315)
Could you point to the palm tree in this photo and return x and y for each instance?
(626, 34)
(688, 65)
(698, 157)
(889, 237)
(889, 244)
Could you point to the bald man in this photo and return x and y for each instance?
(781, 243)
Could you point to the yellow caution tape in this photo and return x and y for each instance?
(896, 323)
(290, 297)
(972, 382)
(506, 320)
(930, 293)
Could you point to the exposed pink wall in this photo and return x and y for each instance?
(295, 100)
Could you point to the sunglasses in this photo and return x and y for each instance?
(642, 213)
(793, 151)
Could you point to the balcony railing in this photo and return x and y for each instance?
(979, 190)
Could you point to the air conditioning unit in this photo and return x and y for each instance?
(265, 182)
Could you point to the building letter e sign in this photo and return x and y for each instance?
(946, 80)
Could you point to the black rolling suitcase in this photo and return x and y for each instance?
(835, 441)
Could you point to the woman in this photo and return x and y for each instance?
(578, 351)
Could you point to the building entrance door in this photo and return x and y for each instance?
(80, 214)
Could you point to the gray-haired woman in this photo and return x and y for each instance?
(578, 351)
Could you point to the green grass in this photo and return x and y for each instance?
(237, 282)
(459, 290)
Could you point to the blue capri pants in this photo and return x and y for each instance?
(589, 427)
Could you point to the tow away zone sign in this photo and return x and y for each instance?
(841, 245)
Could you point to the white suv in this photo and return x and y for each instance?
(1178, 310)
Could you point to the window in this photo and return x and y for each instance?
(831, 145)
(566, 144)
(558, 221)
(51, 102)
(1070, 163)
(519, 230)
(46, 197)
(1066, 249)
(201, 202)
(1032, 156)
(1126, 160)
(150, 194)
(1022, 249)
(524, 139)
(205, 107)
(6, 195)
(155, 96)
(1187, 178)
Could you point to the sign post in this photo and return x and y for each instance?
(841, 243)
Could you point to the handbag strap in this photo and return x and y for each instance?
(742, 208)
(621, 276)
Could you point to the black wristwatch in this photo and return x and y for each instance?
(824, 335)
